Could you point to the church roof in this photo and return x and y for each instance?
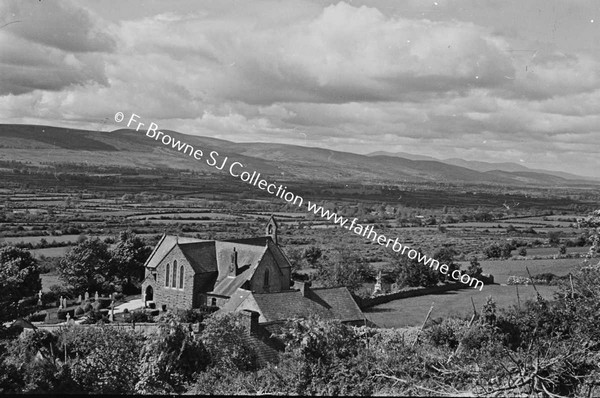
(212, 256)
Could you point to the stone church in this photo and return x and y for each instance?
(252, 274)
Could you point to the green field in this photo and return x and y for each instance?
(412, 311)
(502, 269)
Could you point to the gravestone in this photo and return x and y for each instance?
(96, 296)
(60, 303)
(79, 299)
(87, 296)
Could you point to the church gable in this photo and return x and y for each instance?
(172, 281)
(268, 277)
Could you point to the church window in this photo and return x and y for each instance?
(181, 277)
(266, 281)
(167, 274)
(174, 281)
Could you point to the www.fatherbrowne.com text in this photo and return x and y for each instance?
(237, 170)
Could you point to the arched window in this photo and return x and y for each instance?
(266, 281)
(167, 274)
(174, 281)
(181, 277)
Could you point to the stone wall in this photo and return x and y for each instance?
(385, 298)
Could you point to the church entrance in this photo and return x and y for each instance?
(149, 294)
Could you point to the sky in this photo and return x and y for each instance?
(489, 80)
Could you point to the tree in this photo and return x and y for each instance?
(19, 278)
(562, 249)
(86, 267)
(554, 238)
(312, 255)
(523, 251)
(410, 272)
(170, 358)
(345, 269)
(445, 255)
(474, 270)
(223, 336)
(102, 360)
(497, 251)
(127, 259)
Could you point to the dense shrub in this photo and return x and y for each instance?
(38, 316)
(446, 332)
(139, 316)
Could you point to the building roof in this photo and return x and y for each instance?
(328, 303)
(215, 256)
(200, 255)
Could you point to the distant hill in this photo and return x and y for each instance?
(404, 155)
(46, 145)
(485, 166)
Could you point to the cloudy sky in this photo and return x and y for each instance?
(491, 80)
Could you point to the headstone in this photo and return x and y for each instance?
(68, 317)
(79, 299)
(65, 302)
(87, 296)
(112, 312)
(96, 296)
(40, 298)
(60, 303)
(377, 288)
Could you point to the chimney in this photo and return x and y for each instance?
(304, 287)
(251, 321)
(233, 267)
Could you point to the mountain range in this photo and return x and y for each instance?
(483, 166)
(47, 145)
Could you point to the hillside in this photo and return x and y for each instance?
(45, 145)
(487, 166)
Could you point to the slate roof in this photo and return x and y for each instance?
(165, 245)
(327, 303)
(200, 255)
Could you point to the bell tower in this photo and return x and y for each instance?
(271, 229)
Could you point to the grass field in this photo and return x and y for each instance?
(412, 311)
(504, 268)
(50, 251)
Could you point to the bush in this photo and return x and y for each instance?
(139, 316)
(195, 315)
(60, 290)
(119, 296)
(102, 303)
(448, 332)
(96, 317)
(79, 311)
(477, 336)
(37, 316)
(88, 307)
